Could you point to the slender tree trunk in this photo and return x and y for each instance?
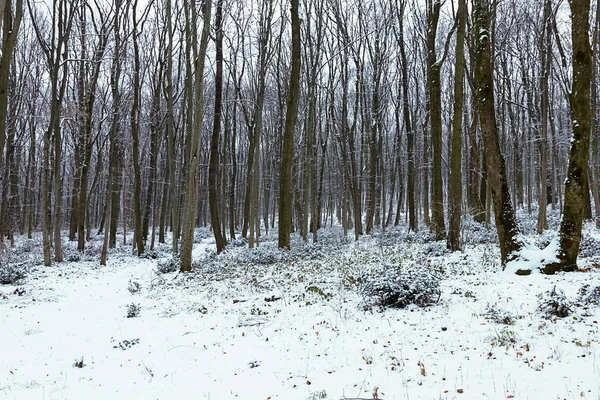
(285, 200)
(455, 190)
(546, 48)
(10, 32)
(410, 135)
(172, 188)
(215, 138)
(189, 221)
(135, 139)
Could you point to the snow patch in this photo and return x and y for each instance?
(532, 258)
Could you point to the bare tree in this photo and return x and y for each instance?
(285, 201)
(506, 224)
(455, 190)
(215, 137)
(189, 221)
(581, 117)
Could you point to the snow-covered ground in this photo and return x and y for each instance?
(262, 324)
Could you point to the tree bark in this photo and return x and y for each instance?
(285, 200)
(135, 138)
(455, 190)
(215, 138)
(189, 222)
(435, 119)
(506, 224)
(581, 119)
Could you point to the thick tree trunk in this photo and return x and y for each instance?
(581, 117)
(506, 224)
(285, 198)
(435, 119)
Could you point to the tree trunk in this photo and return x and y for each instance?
(187, 239)
(135, 139)
(546, 48)
(285, 200)
(455, 190)
(215, 138)
(435, 119)
(581, 118)
(506, 224)
(10, 32)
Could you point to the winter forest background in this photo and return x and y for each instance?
(377, 158)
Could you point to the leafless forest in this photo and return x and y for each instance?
(251, 115)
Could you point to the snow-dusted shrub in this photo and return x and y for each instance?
(477, 233)
(499, 316)
(134, 287)
(239, 242)
(11, 274)
(149, 255)
(202, 233)
(334, 235)
(436, 249)
(554, 303)
(168, 265)
(589, 295)
(398, 286)
(265, 254)
(133, 310)
(25, 246)
(388, 238)
(589, 247)
(320, 250)
(73, 257)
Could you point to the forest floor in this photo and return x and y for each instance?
(266, 324)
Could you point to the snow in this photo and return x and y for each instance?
(244, 326)
(531, 258)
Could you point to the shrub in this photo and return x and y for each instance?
(589, 295)
(241, 242)
(499, 316)
(133, 310)
(554, 303)
(73, 257)
(26, 246)
(134, 287)
(149, 255)
(589, 247)
(398, 286)
(11, 274)
(168, 265)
